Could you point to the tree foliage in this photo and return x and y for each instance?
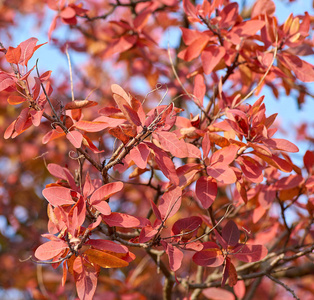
(185, 192)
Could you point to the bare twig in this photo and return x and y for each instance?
(70, 69)
(283, 285)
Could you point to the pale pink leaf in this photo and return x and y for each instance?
(217, 294)
(170, 142)
(50, 249)
(174, 254)
(249, 253)
(75, 138)
(222, 173)
(139, 155)
(58, 195)
(211, 57)
(281, 144)
(106, 191)
(124, 220)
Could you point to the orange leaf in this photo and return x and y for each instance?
(14, 100)
(105, 260)
(13, 55)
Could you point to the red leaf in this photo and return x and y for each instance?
(275, 161)
(141, 20)
(195, 49)
(88, 143)
(170, 142)
(102, 206)
(52, 26)
(239, 289)
(289, 182)
(28, 48)
(75, 138)
(190, 10)
(85, 276)
(167, 113)
(53, 134)
(188, 225)
(106, 245)
(124, 220)
(6, 81)
(67, 13)
(165, 164)
(13, 55)
(262, 7)
(302, 69)
(199, 89)
(229, 15)
(120, 45)
(232, 274)
(21, 120)
(117, 89)
(206, 191)
(36, 116)
(220, 160)
(251, 169)
(139, 155)
(190, 35)
(156, 210)
(308, 160)
(218, 294)
(56, 171)
(281, 144)
(244, 29)
(91, 126)
(50, 249)
(206, 145)
(57, 196)
(222, 173)
(132, 115)
(106, 191)
(231, 233)
(210, 256)
(45, 76)
(147, 233)
(211, 57)
(225, 155)
(123, 101)
(249, 253)
(170, 203)
(174, 254)
(193, 151)
(77, 215)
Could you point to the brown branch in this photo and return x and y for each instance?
(283, 285)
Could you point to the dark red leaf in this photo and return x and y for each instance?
(210, 256)
(249, 253)
(231, 233)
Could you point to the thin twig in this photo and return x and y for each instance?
(283, 285)
(70, 69)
